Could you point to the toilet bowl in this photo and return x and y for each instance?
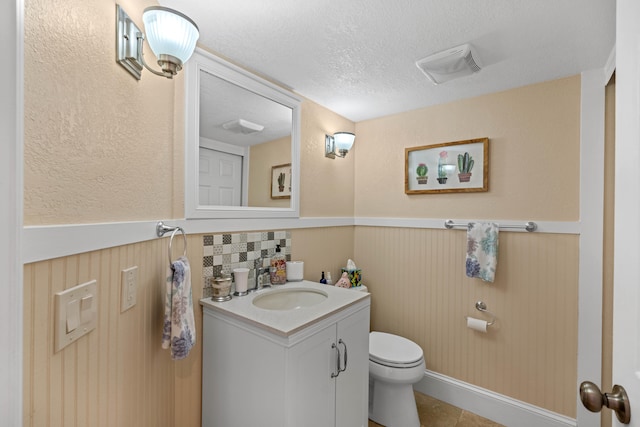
(395, 364)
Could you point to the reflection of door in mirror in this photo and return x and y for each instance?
(222, 174)
(220, 178)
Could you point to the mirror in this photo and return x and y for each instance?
(242, 157)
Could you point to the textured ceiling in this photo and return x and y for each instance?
(357, 57)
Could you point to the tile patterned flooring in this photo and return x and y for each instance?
(434, 413)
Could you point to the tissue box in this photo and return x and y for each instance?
(355, 276)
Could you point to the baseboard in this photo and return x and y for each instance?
(496, 407)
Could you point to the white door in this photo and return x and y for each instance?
(626, 321)
(220, 178)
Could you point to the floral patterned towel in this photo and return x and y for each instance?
(179, 329)
(482, 250)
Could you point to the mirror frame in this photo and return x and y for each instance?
(207, 62)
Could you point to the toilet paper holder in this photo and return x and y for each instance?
(481, 306)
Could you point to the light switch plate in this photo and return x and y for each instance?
(76, 312)
(128, 288)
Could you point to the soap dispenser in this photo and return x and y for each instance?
(278, 268)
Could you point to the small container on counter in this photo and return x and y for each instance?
(221, 288)
(278, 268)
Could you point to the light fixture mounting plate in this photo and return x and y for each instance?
(127, 53)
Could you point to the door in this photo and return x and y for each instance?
(626, 300)
(220, 178)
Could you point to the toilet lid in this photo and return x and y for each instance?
(391, 349)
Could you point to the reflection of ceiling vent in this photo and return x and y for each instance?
(242, 126)
(450, 64)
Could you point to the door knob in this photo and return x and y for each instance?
(593, 399)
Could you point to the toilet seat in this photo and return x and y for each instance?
(394, 351)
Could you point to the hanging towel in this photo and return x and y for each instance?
(179, 329)
(482, 250)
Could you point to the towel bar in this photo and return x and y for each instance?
(529, 226)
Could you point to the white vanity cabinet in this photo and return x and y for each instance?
(254, 375)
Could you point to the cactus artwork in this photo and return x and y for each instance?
(421, 171)
(442, 171)
(465, 164)
(281, 182)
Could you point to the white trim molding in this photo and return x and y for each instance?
(11, 184)
(488, 404)
(53, 241)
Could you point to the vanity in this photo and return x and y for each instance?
(292, 355)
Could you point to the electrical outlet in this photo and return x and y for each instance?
(129, 288)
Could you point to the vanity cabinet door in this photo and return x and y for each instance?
(309, 384)
(320, 398)
(352, 385)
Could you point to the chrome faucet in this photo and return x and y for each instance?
(262, 276)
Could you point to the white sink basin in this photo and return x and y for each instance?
(290, 299)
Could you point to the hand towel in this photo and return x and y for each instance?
(179, 329)
(482, 250)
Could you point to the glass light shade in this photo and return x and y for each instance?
(343, 140)
(169, 32)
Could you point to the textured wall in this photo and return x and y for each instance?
(94, 135)
(326, 184)
(261, 158)
(534, 147)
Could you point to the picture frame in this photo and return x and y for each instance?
(450, 167)
(281, 181)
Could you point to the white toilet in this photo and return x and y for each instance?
(395, 364)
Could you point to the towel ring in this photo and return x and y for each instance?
(184, 236)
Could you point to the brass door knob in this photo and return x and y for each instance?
(593, 399)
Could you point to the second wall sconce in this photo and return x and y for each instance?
(338, 145)
(172, 37)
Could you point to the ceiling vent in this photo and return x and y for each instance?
(242, 126)
(450, 64)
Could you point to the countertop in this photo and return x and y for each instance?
(287, 322)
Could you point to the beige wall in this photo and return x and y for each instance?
(262, 158)
(417, 276)
(534, 139)
(420, 291)
(92, 129)
(326, 184)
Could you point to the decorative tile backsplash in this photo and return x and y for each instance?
(224, 252)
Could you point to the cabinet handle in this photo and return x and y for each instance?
(335, 347)
(345, 356)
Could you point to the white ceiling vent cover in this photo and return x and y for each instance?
(242, 126)
(450, 64)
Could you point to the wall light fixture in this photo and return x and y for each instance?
(172, 37)
(338, 145)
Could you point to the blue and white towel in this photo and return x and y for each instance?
(482, 250)
(179, 329)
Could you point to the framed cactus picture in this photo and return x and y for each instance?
(281, 181)
(449, 167)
